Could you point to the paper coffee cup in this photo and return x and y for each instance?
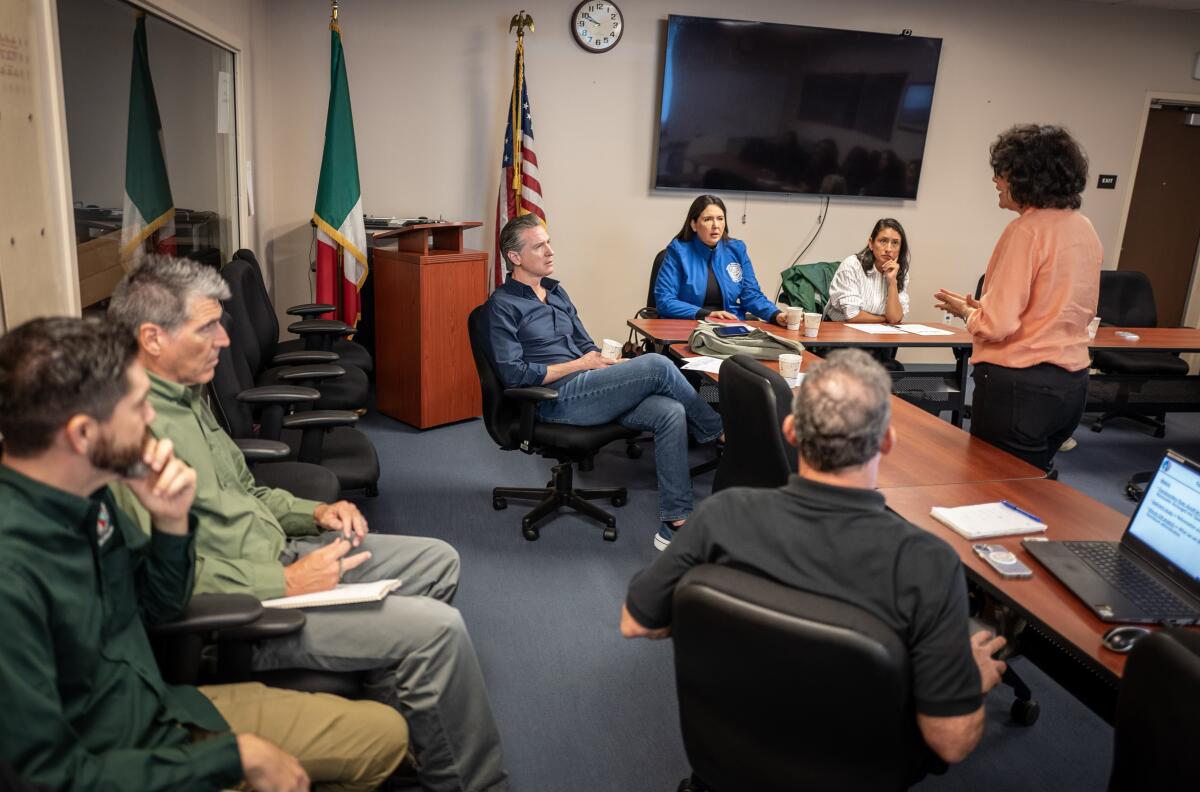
(795, 317)
(812, 324)
(1093, 326)
(612, 349)
(789, 365)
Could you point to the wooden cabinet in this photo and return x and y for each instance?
(426, 284)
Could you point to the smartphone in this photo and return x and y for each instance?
(733, 330)
(1003, 561)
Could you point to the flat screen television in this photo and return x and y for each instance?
(763, 107)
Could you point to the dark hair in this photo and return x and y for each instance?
(52, 369)
(842, 409)
(686, 234)
(1045, 166)
(511, 236)
(867, 258)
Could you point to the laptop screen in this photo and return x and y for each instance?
(1168, 518)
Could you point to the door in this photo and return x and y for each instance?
(1163, 228)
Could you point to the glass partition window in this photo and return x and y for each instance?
(192, 83)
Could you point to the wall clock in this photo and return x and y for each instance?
(597, 25)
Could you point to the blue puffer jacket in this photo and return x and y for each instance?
(683, 279)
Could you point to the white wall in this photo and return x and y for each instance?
(430, 84)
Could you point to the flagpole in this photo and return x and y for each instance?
(339, 250)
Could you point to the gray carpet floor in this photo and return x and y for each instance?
(580, 708)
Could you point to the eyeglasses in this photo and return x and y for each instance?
(884, 242)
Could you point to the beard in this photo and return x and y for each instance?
(125, 461)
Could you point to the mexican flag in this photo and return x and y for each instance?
(338, 214)
(149, 212)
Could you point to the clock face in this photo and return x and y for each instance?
(597, 25)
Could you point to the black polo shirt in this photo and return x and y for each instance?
(841, 543)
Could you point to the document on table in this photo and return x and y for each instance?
(342, 594)
(985, 520)
(877, 329)
(705, 363)
(920, 329)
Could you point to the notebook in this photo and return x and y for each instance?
(342, 594)
(985, 520)
(1153, 574)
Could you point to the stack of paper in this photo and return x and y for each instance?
(985, 520)
(342, 594)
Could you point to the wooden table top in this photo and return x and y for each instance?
(928, 450)
(1170, 339)
(831, 334)
(1068, 513)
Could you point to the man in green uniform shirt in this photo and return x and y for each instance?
(412, 646)
(84, 704)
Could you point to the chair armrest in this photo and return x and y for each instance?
(320, 327)
(273, 623)
(262, 450)
(210, 613)
(320, 419)
(536, 393)
(313, 371)
(279, 394)
(310, 309)
(302, 356)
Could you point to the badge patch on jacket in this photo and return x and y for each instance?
(735, 271)
(104, 526)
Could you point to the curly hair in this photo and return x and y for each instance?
(1045, 167)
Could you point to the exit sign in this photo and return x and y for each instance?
(1106, 182)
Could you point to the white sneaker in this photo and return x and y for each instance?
(1068, 444)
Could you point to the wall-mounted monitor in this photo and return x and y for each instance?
(763, 107)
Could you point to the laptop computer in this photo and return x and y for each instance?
(1153, 574)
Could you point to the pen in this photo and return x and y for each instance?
(1019, 510)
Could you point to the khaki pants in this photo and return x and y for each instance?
(344, 746)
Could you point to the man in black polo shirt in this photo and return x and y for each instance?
(829, 532)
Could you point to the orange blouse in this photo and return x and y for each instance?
(1039, 292)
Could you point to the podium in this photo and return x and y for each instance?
(426, 284)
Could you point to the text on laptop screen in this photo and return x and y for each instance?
(1169, 517)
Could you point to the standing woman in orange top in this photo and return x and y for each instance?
(1039, 293)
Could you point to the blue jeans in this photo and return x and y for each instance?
(648, 394)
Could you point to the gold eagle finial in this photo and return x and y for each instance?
(519, 22)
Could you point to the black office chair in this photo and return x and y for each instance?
(347, 351)
(255, 329)
(318, 437)
(781, 689)
(510, 417)
(651, 309)
(1158, 715)
(756, 400)
(1127, 300)
(231, 624)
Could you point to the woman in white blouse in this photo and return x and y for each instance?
(872, 285)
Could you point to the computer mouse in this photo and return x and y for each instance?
(1121, 639)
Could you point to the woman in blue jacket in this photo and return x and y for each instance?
(707, 275)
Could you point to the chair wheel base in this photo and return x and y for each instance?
(530, 533)
(561, 492)
(1025, 713)
(499, 504)
(610, 534)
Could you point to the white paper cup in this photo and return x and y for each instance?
(612, 349)
(1093, 326)
(789, 365)
(795, 317)
(812, 324)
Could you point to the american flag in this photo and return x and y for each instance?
(519, 165)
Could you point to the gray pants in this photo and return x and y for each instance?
(417, 653)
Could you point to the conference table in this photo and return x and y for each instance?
(839, 335)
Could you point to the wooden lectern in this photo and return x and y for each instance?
(425, 287)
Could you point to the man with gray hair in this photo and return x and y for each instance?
(250, 539)
(827, 531)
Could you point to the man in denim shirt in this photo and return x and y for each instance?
(537, 339)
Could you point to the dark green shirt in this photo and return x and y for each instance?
(84, 706)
